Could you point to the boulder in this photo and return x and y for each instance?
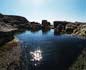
(16, 21)
(45, 24)
(70, 28)
(60, 28)
(9, 24)
(56, 23)
(81, 30)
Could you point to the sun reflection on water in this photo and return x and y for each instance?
(36, 56)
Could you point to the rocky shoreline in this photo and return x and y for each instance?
(76, 28)
(80, 63)
(10, 24)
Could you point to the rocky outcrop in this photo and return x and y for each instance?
(9, 24)
(80, 30)
(15, 21)
(45, 24)
(77, 28)
(35, 26)
(80, 63)
(60, 27)
(70, 27)
(63, 23)
(6, 33)
(6, 27)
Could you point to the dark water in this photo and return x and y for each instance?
(46, 51)
(57, 51)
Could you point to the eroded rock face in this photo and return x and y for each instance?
(9, 24)
(56, 23)
(45, 24)
(70, 27)
(81, 30)
(60, 27)
(77, 28)
(15, 21)
(35, 26)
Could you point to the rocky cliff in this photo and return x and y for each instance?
(77, 28)
(9, 24)
(13, 22)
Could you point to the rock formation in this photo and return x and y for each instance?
(9, 24)
(77, 28)
(80, 30)
(35, 26)
(80, 63)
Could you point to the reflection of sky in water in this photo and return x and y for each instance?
(38, 38)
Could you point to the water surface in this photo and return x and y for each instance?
(58, 51)
(46, 50)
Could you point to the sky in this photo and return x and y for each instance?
(37, 10)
